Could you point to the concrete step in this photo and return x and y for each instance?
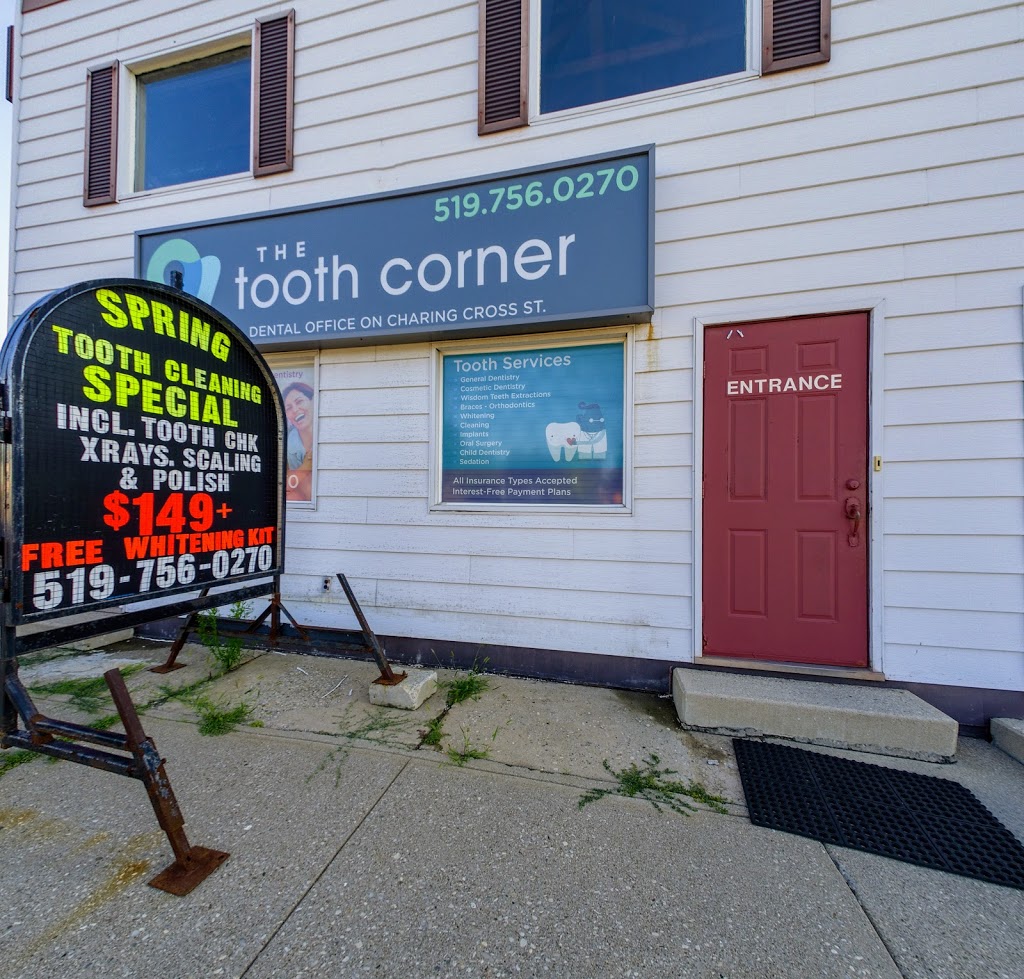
(881, 720)
(1008, 734)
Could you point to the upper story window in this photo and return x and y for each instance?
(608, 49)
(193, 120)
(210, 113)
(598, 50)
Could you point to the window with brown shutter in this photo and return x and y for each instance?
(503, 64)
(796, 33)
(631, 47)
(259, 122)
(101, 136)
(273, 68)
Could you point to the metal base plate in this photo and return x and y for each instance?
(183, 878)
(165, 668)
(385, 682)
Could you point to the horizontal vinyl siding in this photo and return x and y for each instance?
(893, 175)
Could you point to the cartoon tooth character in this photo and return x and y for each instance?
(593, 438)
(563, 436)
(587, 436)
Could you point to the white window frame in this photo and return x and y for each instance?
(536, 117)
(127, 139)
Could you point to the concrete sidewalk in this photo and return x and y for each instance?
(357, 850)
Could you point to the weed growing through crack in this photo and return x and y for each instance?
(227, 654)
(466, 686)
(460, 758)
(336, 757)
(649, 783)
(377, 728)
(216, 719)
(434, 732)
(169, 693)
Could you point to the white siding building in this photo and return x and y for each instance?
(875, 186)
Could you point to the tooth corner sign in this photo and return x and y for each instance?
(569, 243)
(145, 452)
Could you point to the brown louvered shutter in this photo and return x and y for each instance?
(101, 136)
(503, 64)
(10, 63)
(274, 72)
(796, 33)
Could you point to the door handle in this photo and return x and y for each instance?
(852, 512)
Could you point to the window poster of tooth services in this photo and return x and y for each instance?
(145, 451)
(542, 426)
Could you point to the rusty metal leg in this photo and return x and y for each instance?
(275, 618)
(298, 628)
(274, 610)
(8, 668)
(192, 864)
(169, 664)
(258, 621)
(8, 712)
(387, 677)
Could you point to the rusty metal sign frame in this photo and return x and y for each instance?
(60, 739)
(370, 643)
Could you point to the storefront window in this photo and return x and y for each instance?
(540, 425)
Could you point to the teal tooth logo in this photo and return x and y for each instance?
(200, 273)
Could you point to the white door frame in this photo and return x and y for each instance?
(875, 308)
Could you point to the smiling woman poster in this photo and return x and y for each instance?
(298, 392)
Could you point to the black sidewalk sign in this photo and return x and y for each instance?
(142, 476)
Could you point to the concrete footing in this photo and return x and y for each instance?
(1008, 734)
(407, 695)
(880, 720)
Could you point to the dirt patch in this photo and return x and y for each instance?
(703, 748)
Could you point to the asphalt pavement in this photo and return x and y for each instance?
(367, 841)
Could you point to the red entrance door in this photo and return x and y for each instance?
(785, 490)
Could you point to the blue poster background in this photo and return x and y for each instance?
(534, 426)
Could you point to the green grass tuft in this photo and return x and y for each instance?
(88, 694)
(460, 758)
(649, 783)
(434, 733)
(13, 757)
(465, 686)
(215, 719)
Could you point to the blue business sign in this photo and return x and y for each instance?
(569, 244)
(534, 425)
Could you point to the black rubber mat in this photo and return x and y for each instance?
(933, 822)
